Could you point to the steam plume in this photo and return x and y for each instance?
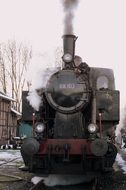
(54, 180)
(39, 82)
(69, 7)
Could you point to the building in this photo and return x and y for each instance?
(8, 119)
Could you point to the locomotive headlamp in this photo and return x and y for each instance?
(67, 57)
(39, 128)
(92, 128)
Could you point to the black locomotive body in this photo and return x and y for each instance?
(75, 126)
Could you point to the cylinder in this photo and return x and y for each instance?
(99, 147)
(30, 146)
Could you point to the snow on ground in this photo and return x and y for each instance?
(11, 157)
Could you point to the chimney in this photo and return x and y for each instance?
(68, 48)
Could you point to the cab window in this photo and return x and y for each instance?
(102, 82)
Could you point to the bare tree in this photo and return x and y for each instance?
(3, 79)
(14, 59)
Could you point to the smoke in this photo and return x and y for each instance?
(53, 180)
(69, 6)
(39, 82)
(34, 99)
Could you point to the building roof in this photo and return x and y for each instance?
(16, 112)
(4, 96)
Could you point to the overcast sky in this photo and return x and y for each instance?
(99, 24)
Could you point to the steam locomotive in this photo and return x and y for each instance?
(74, 129)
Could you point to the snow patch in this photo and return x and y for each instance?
(10, 155)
